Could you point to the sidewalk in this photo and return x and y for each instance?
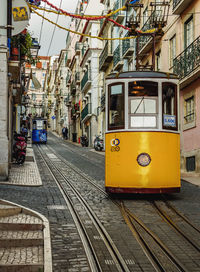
(25, 243)
(191, 178)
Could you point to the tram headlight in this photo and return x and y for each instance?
(143, 159)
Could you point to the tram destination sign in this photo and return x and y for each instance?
(169, 120)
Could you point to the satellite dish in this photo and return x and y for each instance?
(20, 16)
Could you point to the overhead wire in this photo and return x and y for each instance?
(90, 36)
(54, 29)
(42, 25)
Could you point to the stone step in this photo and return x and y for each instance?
(21, 259)
(22, 227)
(21, 238)
(8, 210)
(21, 218)
(22, 268)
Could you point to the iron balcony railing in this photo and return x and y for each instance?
(127, 47)
(188, 60)
(119, 4)
(86, 111)
(145, 39)
(106, 56)
(176, 3)
(117, 56)
(180, 5)
(86, 78)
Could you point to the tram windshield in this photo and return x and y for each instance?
(116, 107)
(143, 99)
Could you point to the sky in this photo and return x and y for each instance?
(59, 38)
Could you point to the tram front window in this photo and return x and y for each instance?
(143, 96)
(116, 107)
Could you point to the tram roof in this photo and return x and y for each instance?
(142, 74)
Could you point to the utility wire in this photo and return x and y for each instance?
(42, 24)
(54, 30)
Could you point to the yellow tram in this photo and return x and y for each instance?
(142, 133)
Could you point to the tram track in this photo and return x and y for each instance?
(170, 215)
(93, 259)
(151, 245)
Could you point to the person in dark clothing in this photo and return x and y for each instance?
(63, 132)
(66, 133)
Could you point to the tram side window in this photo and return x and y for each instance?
(143, 109)
(169, 98)
(116, 107)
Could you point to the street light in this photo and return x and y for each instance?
(34, 48)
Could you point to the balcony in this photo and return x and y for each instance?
(144, 41)
(77, 77)
(86, 81)
(78, 47)
(67, 100)
(68, 77)
(187, 64)
(127, 48)
(106, 56)
(73, 88)
(119, 16)
(86, 113)
(84, 49)
(180, 5)
(117, 60)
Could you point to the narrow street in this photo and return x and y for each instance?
(95, 236)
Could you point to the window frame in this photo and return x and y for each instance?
(175, 106)
(190, 98)
(108, 110)
(187, 22)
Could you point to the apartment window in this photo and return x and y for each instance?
(190, 164)
(189, 109)
(172, 46)
(188, 32)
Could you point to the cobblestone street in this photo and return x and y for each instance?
(68, 253)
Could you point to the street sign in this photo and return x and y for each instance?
(20, 16)
(53, 117)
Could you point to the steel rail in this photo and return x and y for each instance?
(170, 206)
(89, 250)
(130, 216)
(115, 254)
(163, 247)
(172, 224)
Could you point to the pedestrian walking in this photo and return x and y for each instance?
(63, 132)
(66, 133)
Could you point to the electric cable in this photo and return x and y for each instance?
(90, 36)
(42, 25)
(54, 29)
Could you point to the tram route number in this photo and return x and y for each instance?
(115, 149)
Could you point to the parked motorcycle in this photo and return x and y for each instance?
(19, 148)
(84, 140)
(98, 143)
